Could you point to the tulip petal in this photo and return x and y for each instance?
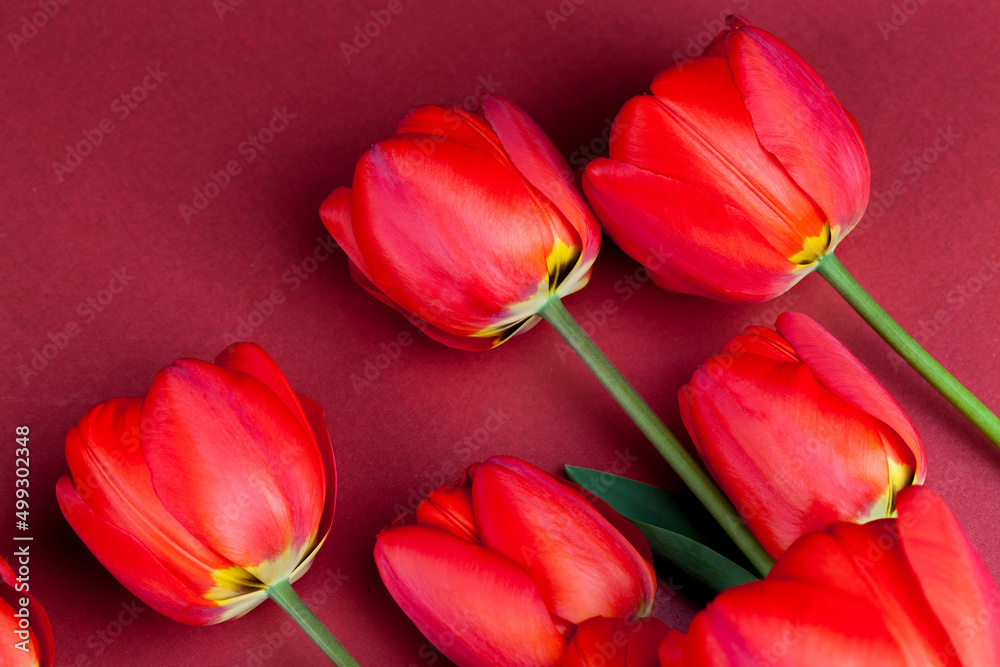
(952, 576)
(138, 569)
(476, 607)
(455, 123)
(10, 653)
(449, 509)
(317, 423)
(581, 564)
(251, 359)
(695, 128)
(788, 624)
(541, 163)
(798, 120)
(40, 643)
(335, 212)
(456, 237)
(792, 455)
(234, 465)
(469, 343)
(688, 241)
(762, 342)
(842, 373)
(111, 476)
(867, 564)
(672, 650)
(615, 642)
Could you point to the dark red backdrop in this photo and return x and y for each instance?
(101, 245)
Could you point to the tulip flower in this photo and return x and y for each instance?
(210, 494)
(738, 176)
(908, 591)
(616, 642)
(469, 224)
(472, 227)
(798, 433)
(24, 625)
(501, 567)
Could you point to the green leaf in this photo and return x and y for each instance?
(694, 558)
(637, 501)
(665, 522)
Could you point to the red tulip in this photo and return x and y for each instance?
(616, 642)
(498, 569)
(909, 591)
(216, 485)
(468, 224)
(736, 176)
(24, 625)
(798, 433)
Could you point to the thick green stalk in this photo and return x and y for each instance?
(288, 599)
(656, 431)
(917, 357)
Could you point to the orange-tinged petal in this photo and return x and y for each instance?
(111, 477)
(696, 129)
(138, 569)
(952, 576)
(475, 606)
(36, 648)
(842, 373)
(581, 564)
(790, 454)
(234, 465)
(798, 120)
(541, 163)
(455, 236)
(791, 625)
(689, 242)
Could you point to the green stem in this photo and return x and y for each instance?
(917, 357)
(288, 599)
(656, 431)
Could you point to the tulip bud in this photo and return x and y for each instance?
(905, 591)
(736, 176)
(466, 224)
(24, 625)
(798, 433)
(501, 567)
(215, 486)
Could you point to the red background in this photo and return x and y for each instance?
(192, 281)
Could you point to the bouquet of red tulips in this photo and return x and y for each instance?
(733, 180)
